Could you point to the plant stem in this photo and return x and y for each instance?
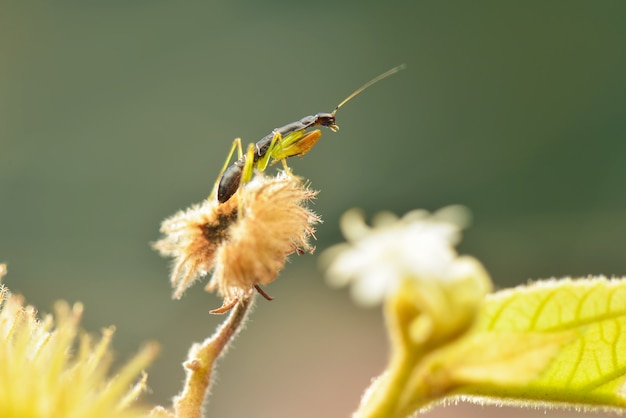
(383, 398)
(201, 360)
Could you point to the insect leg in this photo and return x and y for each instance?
(296, 145)
(246, 175)
(248, 168)
(236, 145)
(264, 160)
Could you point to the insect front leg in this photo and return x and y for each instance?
(282, 148)
(295, 144)
(236, 146)
(298, 145)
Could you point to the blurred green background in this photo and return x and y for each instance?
(116, 114)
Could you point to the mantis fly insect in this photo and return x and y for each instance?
(284, 142)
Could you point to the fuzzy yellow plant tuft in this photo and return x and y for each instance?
(48, 368)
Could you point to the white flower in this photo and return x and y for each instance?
(418, 246)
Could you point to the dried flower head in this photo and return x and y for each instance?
(40, 377)
(192, 238)
(244, 241)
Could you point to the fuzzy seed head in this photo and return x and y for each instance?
(244, 241)
(192, 238)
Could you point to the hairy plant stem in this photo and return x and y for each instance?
(201, 360)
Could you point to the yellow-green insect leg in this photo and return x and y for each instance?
(282, 148)
(246, 176)
(263, 161)
(248, 168)
(302, 144)
(236, 146)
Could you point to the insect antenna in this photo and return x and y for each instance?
(367, 85)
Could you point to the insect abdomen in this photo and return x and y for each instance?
(229, 183)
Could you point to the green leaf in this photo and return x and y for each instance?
(551, 343)
(561, 341)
